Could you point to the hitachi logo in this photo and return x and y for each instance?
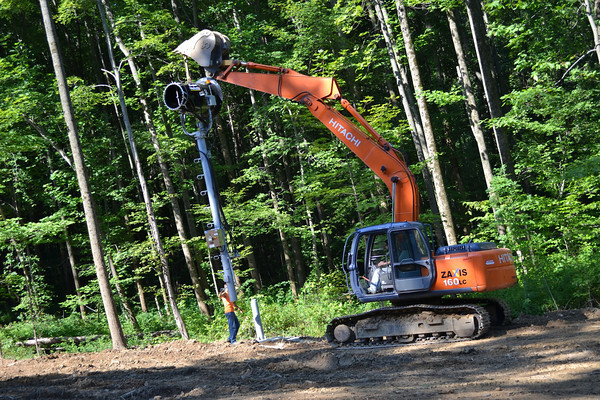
(505, 258)
(342, 130)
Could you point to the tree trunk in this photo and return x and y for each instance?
(285, 179)
(144, 187)
(471, 105)
(254, 271)
(489, 79)
(74, 272)
(197, 274)
(250, 258)
(300, 142)
(175, 12)
(195, 14)
(287, 254)
(116, 331)
(354, 193)
(191, 225)
(472, 112)
(121, 293)
(69, 249)
(325, 239)
(402, 83)
(410, 109)
(141, 295)
(593, 25)
(432, 161)
(164, 170)
(157, 306)
(287, 251)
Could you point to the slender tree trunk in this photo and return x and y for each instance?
(137, 278)
(195, 14)
(296, 247)
(121, 293)
(300, 144)
(175, 11)
(23, 261)
(191, 225)
(471, 105)
(354, 193)
(141, 295)
(285, 177)
(410, 107)
(69, 249)
(432, 161)
(116, 331)
(197, 274)
(164, 169)
(163, 290)
(187, 208)
(250, 258)
(472, 112)
(489, 79)
(144, 188)
(287, 254)
(589, 12)
(157, 306)
(74, 272)
(402, 82)
(254, 270)
(325, 239)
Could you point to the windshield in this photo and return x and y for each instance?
(409, 245)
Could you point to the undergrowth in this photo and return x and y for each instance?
(282, 315)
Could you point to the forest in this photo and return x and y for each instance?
(493, 103)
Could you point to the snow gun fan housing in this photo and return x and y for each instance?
(194, 98)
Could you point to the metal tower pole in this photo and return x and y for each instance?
(216, 235)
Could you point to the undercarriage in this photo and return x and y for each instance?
(450, 319)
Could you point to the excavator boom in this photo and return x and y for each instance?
(369, 146)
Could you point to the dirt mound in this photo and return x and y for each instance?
(553, 356)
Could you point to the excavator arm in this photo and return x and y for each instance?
(386, 162)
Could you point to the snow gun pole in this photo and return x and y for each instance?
(200, 100)
(215, 236)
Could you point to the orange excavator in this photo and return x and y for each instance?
(393, 262)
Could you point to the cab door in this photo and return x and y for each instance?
(412, 262)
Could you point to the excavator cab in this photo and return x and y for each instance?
(389, 261)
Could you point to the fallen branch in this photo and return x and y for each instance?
(46, 342)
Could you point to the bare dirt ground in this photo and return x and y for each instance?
(555, 356)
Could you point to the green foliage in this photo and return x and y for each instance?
(443, 99)
(323, 298)
(555, 241)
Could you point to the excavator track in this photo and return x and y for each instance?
(401, 325)
(498, 309)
